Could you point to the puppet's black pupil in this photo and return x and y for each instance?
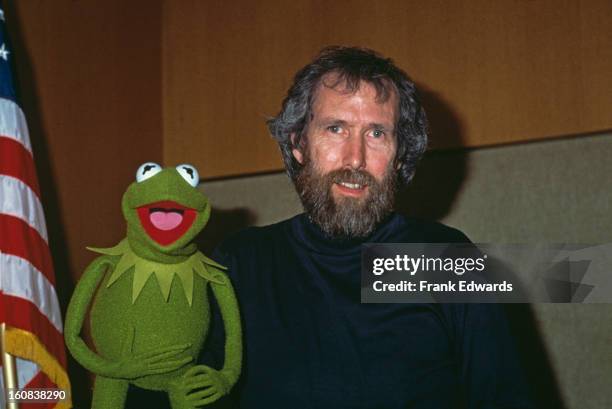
(147, 168)
(189, 170)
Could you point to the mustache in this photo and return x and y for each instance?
(359, 177)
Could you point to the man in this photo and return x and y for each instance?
(351, 131)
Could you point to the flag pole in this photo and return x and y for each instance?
(9, 370)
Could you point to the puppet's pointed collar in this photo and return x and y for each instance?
(198, 263)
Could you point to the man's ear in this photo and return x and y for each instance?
(297, 153)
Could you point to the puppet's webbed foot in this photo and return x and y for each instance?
(198, 386)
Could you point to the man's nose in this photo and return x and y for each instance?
(354, 152)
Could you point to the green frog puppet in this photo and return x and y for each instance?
(150, 311)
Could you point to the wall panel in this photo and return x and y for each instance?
(89, 75)
(492, 72)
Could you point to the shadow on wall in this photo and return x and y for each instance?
(440, 174)
(25, 82)
(431, 196)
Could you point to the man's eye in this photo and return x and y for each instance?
(378, 133)
(334, 128)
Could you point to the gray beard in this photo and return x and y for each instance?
(346, 217)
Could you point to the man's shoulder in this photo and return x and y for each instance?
(425, 231)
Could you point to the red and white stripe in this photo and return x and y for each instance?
(13, 123)
(28, 299)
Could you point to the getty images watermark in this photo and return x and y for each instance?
(475, 273)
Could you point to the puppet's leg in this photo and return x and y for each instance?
(109, 393)
(178, 398)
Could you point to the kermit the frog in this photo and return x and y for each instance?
(150, 312)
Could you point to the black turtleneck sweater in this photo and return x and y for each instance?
(310, 343)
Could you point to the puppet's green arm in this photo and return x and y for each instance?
(77, 310)
(202, 385)
(233, 330)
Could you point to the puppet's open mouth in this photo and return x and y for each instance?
(166, 221)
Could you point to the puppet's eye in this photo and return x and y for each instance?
(189, 173)
(146, 171)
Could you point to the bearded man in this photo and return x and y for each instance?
(351, 131)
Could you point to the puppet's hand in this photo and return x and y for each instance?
(156, 361)
(198, 386)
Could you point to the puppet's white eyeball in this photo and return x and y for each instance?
(146, 171)
(189, 173)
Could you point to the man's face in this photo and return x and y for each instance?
(347, 184)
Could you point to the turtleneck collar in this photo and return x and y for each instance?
(311, 236)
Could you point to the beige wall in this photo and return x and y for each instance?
(554, 191)
(559, 191)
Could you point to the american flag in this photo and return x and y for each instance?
(28, 301)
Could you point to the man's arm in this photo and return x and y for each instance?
(489, 365)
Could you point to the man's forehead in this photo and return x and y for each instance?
(334, 98)
(347, 84)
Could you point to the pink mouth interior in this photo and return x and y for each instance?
(165, 220)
